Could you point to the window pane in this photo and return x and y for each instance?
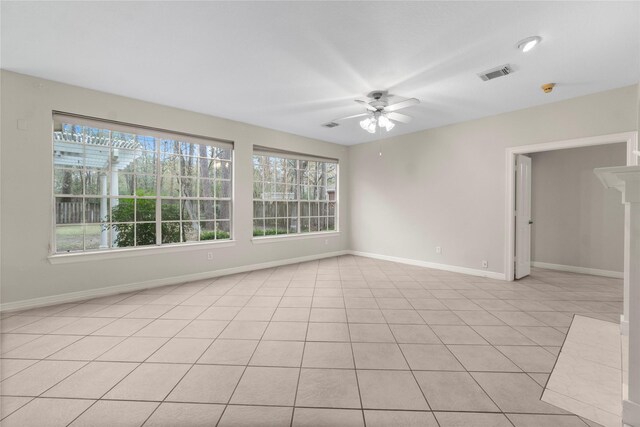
(223, 153)
(170, 164)
(145, 210)
(292, 209)
(188, 166)
(145, 185)
(189, 187)
(258, 190)
(258, 227)
(331, 223)
(122, 210)
(224, 190)
(282, 227)
(207, 187)
(170, 232)
(304, 225)
(223, 210)
(190, 210)
(207, 209)
(293, 225)
(170, 186)
(258, 209)
(69, 238)
(144, 162)
(125, 185)
(324, 209)
(69, 210)
(190, 231)
(332, 209)
(96, 210)
(207, 230)
(225, 170)
(96, 236)
(97, 157)
(67, 181)
(281, 209)
(170, 210)
(122, 235)
(304, 208)
(269, 209)
(269, 227)
(146, 234)
(96, 183)
(223, 230)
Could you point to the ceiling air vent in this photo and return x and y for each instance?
(331, 125)
(494, 73)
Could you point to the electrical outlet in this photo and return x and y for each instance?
(210, 256)
(438, 250)
(485, 264)
(326, 241)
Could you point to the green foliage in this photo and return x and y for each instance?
(268, 232)
(214, 235)
(143, 234)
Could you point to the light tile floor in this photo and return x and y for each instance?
(345, 341)
(587, 377)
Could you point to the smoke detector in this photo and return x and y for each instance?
(547, 87)
(496, 72)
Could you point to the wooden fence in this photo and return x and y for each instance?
(71, 213)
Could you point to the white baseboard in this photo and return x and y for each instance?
(581, 270)
(445, 267)
(624, 326)
(129, 287)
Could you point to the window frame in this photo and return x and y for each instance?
(299, 234)
(158, 135)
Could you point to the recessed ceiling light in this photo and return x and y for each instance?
(529, 43)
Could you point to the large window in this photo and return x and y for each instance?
(293, 194)
(118, 186)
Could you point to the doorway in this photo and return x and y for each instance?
(514, 161)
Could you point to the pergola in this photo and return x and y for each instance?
(103, 153)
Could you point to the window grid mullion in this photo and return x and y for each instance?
(158, 198)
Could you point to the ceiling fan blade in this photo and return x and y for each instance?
(402, 118)
(366, 105)
(352, 117)
(402, 104)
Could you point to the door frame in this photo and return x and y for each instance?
(630, 138)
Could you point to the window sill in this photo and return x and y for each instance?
(66, 258)
(286, 237)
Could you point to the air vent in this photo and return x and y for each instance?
(494, 73)
(331, 124)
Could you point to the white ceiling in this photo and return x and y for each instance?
(292, 66)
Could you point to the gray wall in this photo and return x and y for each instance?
(446, 186)
(577, 222)
(26, 186)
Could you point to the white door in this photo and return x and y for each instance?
(523, 216)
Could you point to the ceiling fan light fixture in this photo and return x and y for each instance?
(529, 43)
(384, 122)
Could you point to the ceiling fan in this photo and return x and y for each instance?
(380, 113)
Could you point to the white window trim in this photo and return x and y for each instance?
(98, 255)
(262, 151)
(258, 240)
(90, 255)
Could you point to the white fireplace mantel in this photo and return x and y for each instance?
(626, 179)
